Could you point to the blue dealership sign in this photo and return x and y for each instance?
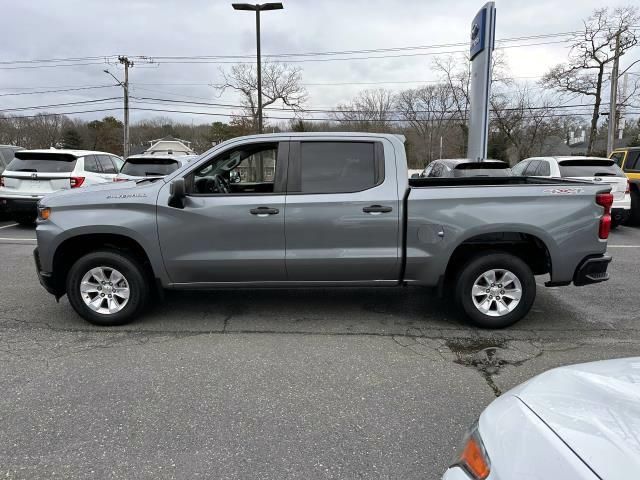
(478, 33)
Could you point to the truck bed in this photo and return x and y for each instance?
(443, 213)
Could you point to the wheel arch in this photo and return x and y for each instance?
(74, 247)
(529, 247)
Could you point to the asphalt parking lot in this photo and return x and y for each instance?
(270, 384)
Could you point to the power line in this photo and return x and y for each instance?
(57, 114)
(320, 110)
(52, 65)
(38, 107)
(56, 91)
(91, 60)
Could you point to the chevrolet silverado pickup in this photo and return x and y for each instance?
(319, 210)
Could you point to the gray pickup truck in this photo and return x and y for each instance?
(320, 209)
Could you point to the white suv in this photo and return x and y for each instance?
(34, 173)
(594, 169)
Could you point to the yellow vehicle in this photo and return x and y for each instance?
(628, 159)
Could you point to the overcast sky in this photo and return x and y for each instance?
(64, 28)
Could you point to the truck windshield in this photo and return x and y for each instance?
(142, 167)
(589, 168)
(42, 162)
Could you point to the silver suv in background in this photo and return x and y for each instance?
(152, 165)
(32, 174)
(593, 169)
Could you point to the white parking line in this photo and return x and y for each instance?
(7, 226)
(623, 246)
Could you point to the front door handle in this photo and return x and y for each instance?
(376, 209)
(264, 211)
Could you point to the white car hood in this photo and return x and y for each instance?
(595, 409)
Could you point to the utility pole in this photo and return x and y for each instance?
(621, 118)
(127, 63)
(613, 100)
(125, 86)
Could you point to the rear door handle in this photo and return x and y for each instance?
(264, 211)
(376, 209)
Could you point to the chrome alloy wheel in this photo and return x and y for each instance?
(104, 290)
(496, 292)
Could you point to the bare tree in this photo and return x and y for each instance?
(428, 111)
(591, 51)
(455, 72)
(280, 83)
(524, 118)
(371, 110)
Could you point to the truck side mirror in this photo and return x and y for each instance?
(177, 193)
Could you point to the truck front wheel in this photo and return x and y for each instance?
(107, 288)
(495, 290)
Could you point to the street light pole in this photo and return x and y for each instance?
(259, 67)
(258, 8)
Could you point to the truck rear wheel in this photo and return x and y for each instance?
(107, 288)
(495, 290)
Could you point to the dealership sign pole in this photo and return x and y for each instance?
(483, 30)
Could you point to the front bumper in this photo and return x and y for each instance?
(592, 269)
(45, 278)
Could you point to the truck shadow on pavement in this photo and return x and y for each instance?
(358, 311)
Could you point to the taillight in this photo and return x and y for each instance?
(119, 179)
(1, 181)
(605, 200)
(76, 182)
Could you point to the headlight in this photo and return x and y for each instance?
(44, 213)
(474, 458)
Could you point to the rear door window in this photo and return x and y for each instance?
(519, 168)
(544, 169)
(532, 168)
(106, 164)
(91, 164)
(42, 162)
(589, 168)
(144, 167)
(339, 167)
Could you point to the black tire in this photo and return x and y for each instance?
(478, 265)
(26, 220)
(132, 271)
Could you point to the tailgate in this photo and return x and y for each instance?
(38, 172)
(618, 184)
(35, 183)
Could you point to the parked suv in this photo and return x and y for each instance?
(34, 173)
(628, 159)
(152, 165)
(600, 170)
